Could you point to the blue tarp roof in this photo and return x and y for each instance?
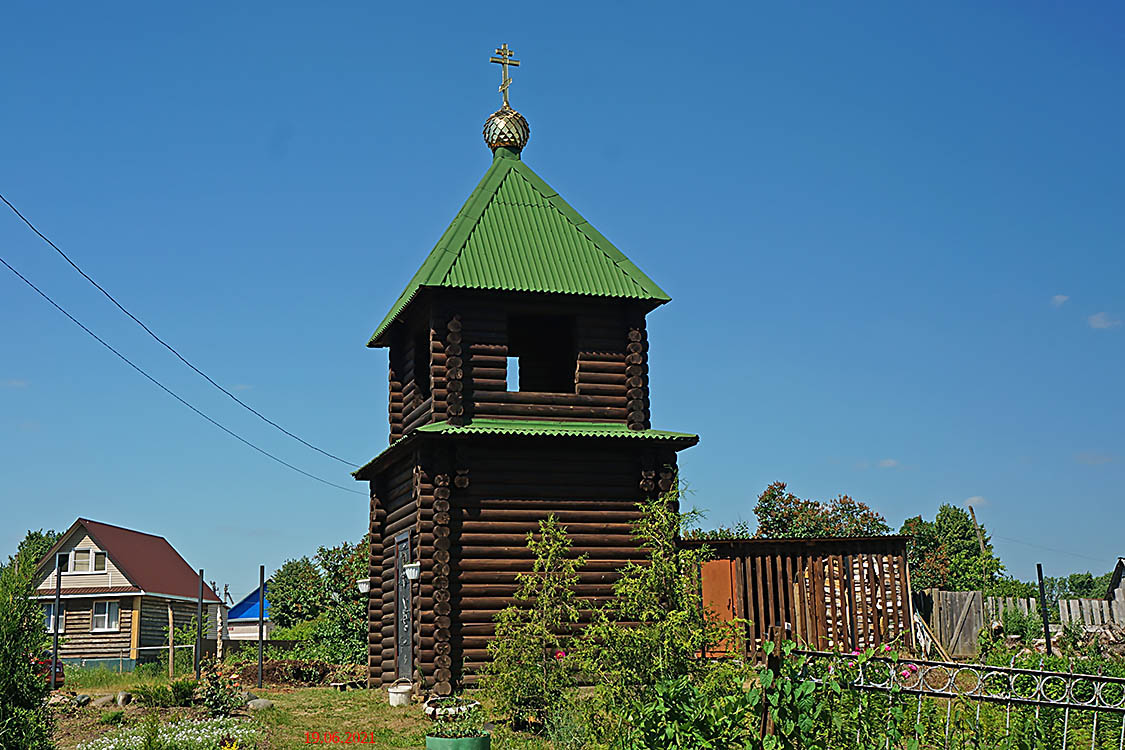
(247, 608)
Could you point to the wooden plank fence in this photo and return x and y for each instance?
(831, 593)
(957, 617)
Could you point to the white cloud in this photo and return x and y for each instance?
(1103, 320)
(977, 501)
(887, 463)
(13, 383)
(1059, 300)
(1094, 459)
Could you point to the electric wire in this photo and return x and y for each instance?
(164, 343)
(168, 390)
(1046, 549)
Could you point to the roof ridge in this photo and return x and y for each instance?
(122, 528)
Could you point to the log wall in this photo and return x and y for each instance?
(394, 509)
(509, 487)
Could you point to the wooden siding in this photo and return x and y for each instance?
(832, 593)
(80, 540)
(154, 622)
(77, 641)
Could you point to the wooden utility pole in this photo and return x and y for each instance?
(55, 622)
(1043, 607)
(199, 625)
(171, 642)
(980, 536)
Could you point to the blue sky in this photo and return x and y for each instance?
(892, 235)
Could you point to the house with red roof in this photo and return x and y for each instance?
(120, 590)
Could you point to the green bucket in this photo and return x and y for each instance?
(459, 743)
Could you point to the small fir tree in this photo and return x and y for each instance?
(532, 668)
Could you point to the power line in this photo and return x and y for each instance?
(1047, 549)
(169, 391)
(165, 344)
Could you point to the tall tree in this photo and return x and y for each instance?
(782, 515)
(35, 544)
(25, 721)
(946, 554)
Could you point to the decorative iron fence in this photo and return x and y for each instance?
(1069, 709)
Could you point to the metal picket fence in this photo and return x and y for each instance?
(1087, 706)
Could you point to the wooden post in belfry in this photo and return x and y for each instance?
(171, 643)
(980, 536)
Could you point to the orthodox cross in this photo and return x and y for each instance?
(504, 58)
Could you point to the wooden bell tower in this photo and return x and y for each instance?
(518, 389)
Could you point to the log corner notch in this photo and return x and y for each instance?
(636, 374)
(454, 372)
(437, 646)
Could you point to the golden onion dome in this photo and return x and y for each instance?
(506, 128)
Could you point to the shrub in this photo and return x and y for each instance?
(220, 689)
(154, 696)
(466, 720)
(661, 599)
(112, 718)
(531, 669)
(675, 713)
(24, 720)
(183, 691)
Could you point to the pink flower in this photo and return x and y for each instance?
(906, 673)
(851, 663)
(886, 647)
(560, 655)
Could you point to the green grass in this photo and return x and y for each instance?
(363, 712)
(104, 679)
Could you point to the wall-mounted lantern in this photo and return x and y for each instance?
(364, 585)
(413, 570)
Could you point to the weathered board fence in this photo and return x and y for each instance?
(956, 617)
(830, 593)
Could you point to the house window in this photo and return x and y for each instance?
(105, 616)
(49, 617)
(82, 561)
(545, 350)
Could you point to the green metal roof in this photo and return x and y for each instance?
(515, 233)
(557, 429)
(538, 428)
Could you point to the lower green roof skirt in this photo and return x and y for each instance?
(538, 428)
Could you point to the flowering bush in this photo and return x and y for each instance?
(220, 689)
(189, 734)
